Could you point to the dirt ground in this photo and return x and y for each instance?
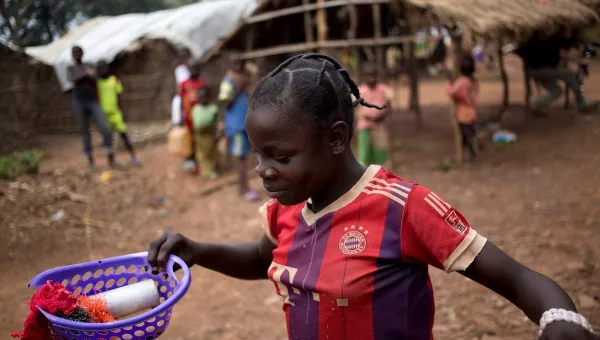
(538, 199)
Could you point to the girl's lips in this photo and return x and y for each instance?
(275, 193)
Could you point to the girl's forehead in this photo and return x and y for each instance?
(270, 126)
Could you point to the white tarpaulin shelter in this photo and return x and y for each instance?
(197, 27)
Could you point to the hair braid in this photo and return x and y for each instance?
(296, 91)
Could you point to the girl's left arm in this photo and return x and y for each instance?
(530, 291)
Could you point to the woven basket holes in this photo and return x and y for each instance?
(121, 282)
(75, 279)
(109, 271)
(99, 285)
(132, 280)
(98, 273)
(88, 288)
(110, 283)
(120, 269)
(86, 276)
(132, 268)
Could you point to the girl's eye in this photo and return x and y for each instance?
(282, 160)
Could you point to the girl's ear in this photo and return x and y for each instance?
(339, 137)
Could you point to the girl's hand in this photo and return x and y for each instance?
(171, 242)
(566, 331)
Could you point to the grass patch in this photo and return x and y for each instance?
(20, 163)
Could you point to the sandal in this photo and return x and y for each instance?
(251, 196)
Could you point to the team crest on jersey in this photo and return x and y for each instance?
(353, 241)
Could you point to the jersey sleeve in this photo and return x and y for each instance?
(435, 233)
(269, 213)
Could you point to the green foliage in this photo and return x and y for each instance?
(38, 22)
(19, 163)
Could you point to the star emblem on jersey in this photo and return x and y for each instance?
(353, 241)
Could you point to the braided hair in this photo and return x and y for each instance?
(313, 84)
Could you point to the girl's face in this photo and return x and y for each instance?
(293, 162)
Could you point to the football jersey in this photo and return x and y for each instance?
(358, 269)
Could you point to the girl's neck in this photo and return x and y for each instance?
(349, 174)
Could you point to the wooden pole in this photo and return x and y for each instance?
(527, 79)
(353, 26)
(379, 52)
(308, 27)
(322, 29)
(412, 68)
(457, 53)
(504, 76)
(413, 79)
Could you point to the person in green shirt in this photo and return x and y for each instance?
(109, 91)
(204, 115)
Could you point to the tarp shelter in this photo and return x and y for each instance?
(197, 27)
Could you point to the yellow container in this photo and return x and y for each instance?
(180, 142)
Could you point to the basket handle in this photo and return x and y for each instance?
(170, 268)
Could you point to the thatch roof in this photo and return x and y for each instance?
(515, 18)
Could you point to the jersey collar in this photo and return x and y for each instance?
(342, 201)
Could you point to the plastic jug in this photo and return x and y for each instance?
(180, 142)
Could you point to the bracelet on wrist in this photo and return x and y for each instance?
(559, 314)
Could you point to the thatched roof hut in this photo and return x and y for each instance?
(515, 19)
(28, 89)
(279, 28)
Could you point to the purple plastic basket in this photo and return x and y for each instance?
(104, 275)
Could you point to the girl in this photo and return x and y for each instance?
(464, 93)
(110, 89)
(373, 139)
(204, 116)
(348, 247)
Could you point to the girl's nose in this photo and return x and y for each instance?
(265, 172)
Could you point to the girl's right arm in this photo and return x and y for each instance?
(246, 261)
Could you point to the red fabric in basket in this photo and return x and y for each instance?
(52, 298)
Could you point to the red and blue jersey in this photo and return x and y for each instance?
(358, 269)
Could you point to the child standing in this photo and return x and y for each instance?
(373, 136)
(188, 92)
(464, 93)
(204, 116)
(234, 98)
(348, 247)
(182, 74)
(109, 92)
(84, 100)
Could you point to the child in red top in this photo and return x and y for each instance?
(188, 92)
(348, 247)
(464, 93)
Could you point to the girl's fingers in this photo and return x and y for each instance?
(166, 249)
(154, 249)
